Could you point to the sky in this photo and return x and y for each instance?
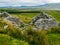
(26, 2)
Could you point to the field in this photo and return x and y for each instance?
(54, 13)
(29, 36)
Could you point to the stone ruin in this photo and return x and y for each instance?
(4, 14)
(15, 21)
(44, 21)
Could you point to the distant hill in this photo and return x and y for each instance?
(45, 6)
(51, 6)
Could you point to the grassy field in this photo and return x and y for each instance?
(30, 36)
(31, 15)
(26, 17)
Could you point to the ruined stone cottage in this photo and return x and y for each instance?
(44, 21)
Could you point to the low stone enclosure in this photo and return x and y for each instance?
(42, 21)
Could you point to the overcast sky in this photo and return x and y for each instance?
(26, 2)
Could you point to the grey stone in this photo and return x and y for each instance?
(44, 21)
(16, 21)
(4, 14)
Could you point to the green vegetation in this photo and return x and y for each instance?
(55, 14)
(26, 14)
(19, 10)
(54, 38)
(34, 37)
(26, 17)
(29, 36)
(8, 40)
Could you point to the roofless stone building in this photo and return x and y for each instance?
(44, 21)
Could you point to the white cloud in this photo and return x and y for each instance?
(54, 1)
(26, 2)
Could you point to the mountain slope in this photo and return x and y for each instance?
(51, 6)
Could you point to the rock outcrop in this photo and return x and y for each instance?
(44, 21)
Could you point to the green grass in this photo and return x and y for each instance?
(8, 40)
(2, 24)
(26, 17)
(54, 13)
(26, 14)
(54, 38)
